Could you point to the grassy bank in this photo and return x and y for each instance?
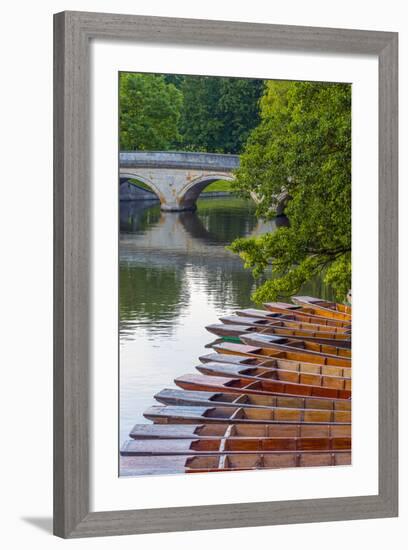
(220, 185)
(216, 186)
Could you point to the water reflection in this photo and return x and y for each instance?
(176, 276)
(163, 253)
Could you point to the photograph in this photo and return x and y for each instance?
(235, 316)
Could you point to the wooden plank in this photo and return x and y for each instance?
(241, 431)
(295, 383)
(328, 355)
(259, 387)
(264, 460)
(167, 447)
(240, 415)
(264, 353)
(286, 368)
(235, 331)
(175, 396)
(285, 321)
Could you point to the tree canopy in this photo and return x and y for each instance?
(193, 113)
(149, 112)
(218, 112)
(302, 145)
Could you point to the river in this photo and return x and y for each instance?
(176, 277)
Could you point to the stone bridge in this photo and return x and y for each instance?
(177, 178)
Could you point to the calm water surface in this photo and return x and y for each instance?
(176, 276)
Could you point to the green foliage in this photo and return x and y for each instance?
(191, 113)
(149, 112)
(302, 146)
(218, 113)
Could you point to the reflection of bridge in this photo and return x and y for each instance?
(177, 178)
(183, 233)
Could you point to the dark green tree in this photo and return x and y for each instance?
(218, 113)
(176, 79)
(302, 146)
(149, 112)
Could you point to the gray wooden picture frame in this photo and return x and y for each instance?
(72, 201)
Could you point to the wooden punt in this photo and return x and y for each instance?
(262, 373)
(234, 332)
(236, 359)
(168, 414)
(240, 431)
(175, 396)
(287, 367)
(321, 331)
(329, 355)
(260, 387)
(223, 445)
(177, 464)
(266, 354)
(324, 307)
(293, 313)
(231, 462)
(305, 314)
(275, 363)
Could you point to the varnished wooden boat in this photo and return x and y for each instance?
(329, 355)
(240, 431)
(236, 359)
(324, 307)
(172, 464)
(234, 332)
(231, 462)
(321, 331)
(290, 312)
(260, 387)
(175, 396)
(266, 354)
(223, 445)
(262, 373)
(168, 414)
(284, 365)
(276, 393)
(230, 331)
(307, 314)
(246, 358)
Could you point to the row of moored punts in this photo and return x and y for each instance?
(275, 392)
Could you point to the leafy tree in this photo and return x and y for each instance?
(303, 146)
(176, 79)
(218, 113)
(149, 112)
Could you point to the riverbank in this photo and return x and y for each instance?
(209, 194)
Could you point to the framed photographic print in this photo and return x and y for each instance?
(225, 274)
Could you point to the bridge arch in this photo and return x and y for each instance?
(142, 178)
(190, 193)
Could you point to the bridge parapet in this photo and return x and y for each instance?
(179, 159)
